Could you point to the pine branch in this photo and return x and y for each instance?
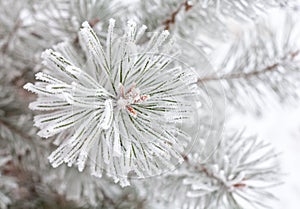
(171, 20)
(261, 62)
(247, 75)
(228, 176)
(31, 191)
(65, 17)
(205, 18)
(18, 45)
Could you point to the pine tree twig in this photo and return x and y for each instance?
(270, 68)
(171, 20)
(237, 185)
(205, 171)
(36, 35)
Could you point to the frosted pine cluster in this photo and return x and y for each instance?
(121, 105)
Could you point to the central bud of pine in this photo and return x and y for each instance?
(130, 97)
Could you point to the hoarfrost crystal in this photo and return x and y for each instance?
(122, 104)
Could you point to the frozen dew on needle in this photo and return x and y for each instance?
(121, 104)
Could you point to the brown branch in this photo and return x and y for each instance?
(204, 170)
(172, 19)
(270, 68)
(239, 75)
(237, 185)
(210, 175)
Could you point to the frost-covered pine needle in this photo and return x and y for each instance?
(120, 104)
(238, 175)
